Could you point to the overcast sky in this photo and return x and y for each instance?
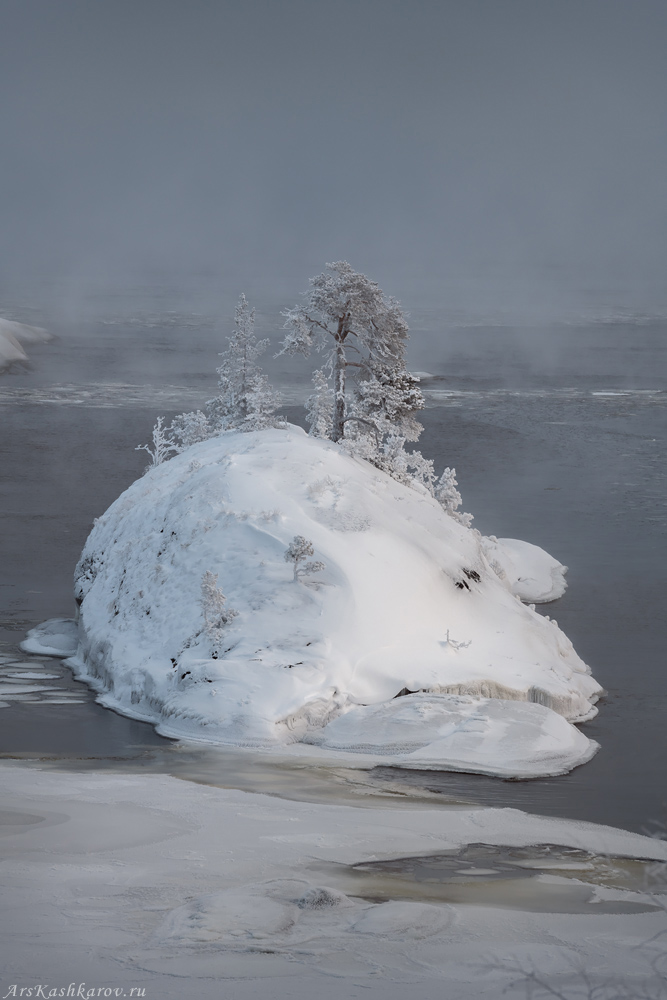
(254, 140)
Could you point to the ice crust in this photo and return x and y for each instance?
(155, 880)
(407, 602)
(55, 637)
(505, 738)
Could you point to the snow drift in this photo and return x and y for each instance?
(407, 602)
(532, 574)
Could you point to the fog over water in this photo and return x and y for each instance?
(499, 167)
(505, 158)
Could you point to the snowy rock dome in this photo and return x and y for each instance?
(401, 600)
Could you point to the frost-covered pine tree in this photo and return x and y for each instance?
(189, 428)
(347, 313)
(389, 398)
(162, 445)
(385, 405)
(297, 551)
(319, 406)
(449, 498)
(213, 604)
(245, 400)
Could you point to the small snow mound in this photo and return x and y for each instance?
(275, 913)
(55, 637)
(531, 573)
(404, 920)
(231, 917)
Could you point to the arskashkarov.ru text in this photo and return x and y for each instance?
(88, 992)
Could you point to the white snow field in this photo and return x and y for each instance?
(407, 602)
(13, 335)
(124, 882)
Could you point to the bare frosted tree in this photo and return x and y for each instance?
(348, 313)
(162, 445)
(297, 551)
(213, 604)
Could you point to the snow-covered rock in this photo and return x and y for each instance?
(531, 573)
(406, 602)
(13, 335)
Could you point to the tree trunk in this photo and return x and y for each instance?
(338, 429)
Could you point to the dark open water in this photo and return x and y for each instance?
(558, 437)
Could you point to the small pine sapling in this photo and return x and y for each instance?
(319, 406)
(298, 550)
(245, 400)
(213, 601)
(449, 497)
(162, 446)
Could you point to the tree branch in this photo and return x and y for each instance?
(368, 423)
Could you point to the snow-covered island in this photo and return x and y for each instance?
(406, 644)
(404, 639)
(321, 600)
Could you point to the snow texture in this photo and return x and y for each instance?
(406, 603)
(531, 573)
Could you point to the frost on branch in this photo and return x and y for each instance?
(213, 601)
(298, 550)
(319, 406)
(162, 446)
(449, 497)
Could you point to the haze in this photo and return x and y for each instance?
(511, 153)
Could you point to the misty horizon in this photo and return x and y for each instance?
(492, 157)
